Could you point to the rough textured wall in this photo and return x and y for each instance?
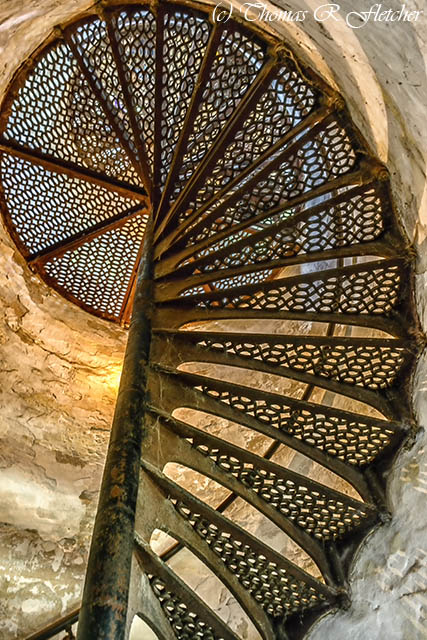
(60, 367)
(58, 378)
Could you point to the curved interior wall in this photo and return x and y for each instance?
(60, 366)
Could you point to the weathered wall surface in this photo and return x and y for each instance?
(59, 367)
(58, 378)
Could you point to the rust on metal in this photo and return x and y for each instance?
(196, 181)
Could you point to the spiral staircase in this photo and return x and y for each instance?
(274, 292)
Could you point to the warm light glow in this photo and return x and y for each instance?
(112, 379)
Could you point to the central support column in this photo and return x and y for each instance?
(105, 597)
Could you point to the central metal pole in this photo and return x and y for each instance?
(105, 595)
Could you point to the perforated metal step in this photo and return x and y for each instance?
(275, 244)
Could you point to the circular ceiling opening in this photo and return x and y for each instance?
(169, 113)
(275, 245)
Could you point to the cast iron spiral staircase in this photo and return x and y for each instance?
(276, 255)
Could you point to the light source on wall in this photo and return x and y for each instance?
(241, 184)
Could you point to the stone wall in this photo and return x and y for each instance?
(60, 367)
(58, 379)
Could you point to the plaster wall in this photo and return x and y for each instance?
(60, 367)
